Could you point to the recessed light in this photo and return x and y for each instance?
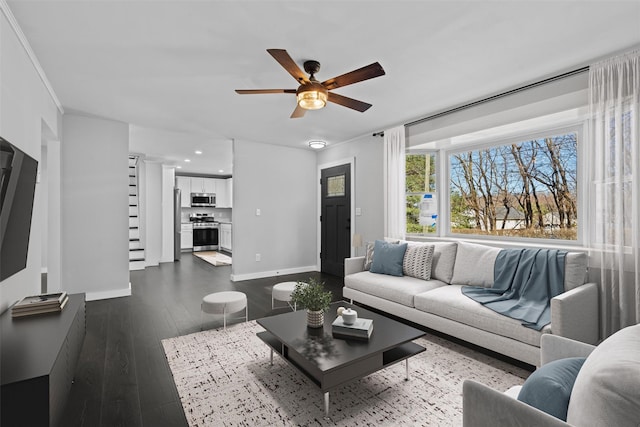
(220, 170)
(187, 160)
(178, 167)
(198, 152)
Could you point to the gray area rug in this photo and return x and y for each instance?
(224, 379)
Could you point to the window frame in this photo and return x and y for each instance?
(443, 184)
(436, 154)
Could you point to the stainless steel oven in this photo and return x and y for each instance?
(206, 236)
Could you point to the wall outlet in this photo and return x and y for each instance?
(258, 257)
(358, 211)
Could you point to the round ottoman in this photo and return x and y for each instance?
(224, 303)
(282, 292)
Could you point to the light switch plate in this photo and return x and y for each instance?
(358, 211)
(258, 212)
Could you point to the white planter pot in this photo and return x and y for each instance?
(315, 319)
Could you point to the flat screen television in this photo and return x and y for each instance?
(17, 189)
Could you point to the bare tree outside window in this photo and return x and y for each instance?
(526, 189)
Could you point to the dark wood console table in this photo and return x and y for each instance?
(39, 357)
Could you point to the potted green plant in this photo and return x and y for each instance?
(314, 298)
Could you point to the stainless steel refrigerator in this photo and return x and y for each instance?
(177, 224)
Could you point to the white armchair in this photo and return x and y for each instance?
(606, 390)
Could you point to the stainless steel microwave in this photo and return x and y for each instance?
(203, 199)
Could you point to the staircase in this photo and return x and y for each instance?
(136, 249)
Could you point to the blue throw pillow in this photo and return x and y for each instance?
(549, 387)
(388, 257)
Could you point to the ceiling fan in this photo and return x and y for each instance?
(312, 94)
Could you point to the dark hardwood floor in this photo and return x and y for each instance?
(123, 378)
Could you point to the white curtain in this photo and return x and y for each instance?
(614, 89)
(394, 187)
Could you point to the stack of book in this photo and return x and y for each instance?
(361, 329)
(39, 304)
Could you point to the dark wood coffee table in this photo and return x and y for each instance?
(331, 362)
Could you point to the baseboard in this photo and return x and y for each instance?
(115, 293)
(273, 273)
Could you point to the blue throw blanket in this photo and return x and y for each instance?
(525, 280)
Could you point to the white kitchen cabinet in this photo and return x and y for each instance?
(184, 184)
(225, 237)
(222, 201)
(229, 192)
(186, 236)
(203, 185)
(197, 185)
(209, 185)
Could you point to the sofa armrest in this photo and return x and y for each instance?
(353, 265)
(554, 347)
(574, 314)
(483, 406)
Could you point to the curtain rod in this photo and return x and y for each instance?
(494, 97)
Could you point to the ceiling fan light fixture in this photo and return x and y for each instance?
(317, 144)
(312, 96)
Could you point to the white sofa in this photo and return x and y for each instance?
(440, 305)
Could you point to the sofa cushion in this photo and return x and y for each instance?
(575, 270)
(388, 257)
(417, 261)
(444, 257)
(396, 289)
(474, 265)
(607, 390)
(549, 387)
(450, 303)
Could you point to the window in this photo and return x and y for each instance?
(522, 189)
(335, 186)
(420, 193)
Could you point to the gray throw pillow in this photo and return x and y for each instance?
(388, 257)
(417, 261)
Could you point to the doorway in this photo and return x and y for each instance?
(335, 218)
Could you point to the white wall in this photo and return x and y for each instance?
(95, 220)
(280, 181)
(25, 108)
(368, 176)
(43, 189)
(53, 217)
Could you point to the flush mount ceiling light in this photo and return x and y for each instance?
(198, 152)
(316, 144)
(187, 160)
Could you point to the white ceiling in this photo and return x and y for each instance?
(175, 64)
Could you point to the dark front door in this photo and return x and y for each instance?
(336, 219)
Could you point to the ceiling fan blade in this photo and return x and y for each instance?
(365, 73)
(260, 91)
(354, 104)
(289, 64)
(298, 112)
